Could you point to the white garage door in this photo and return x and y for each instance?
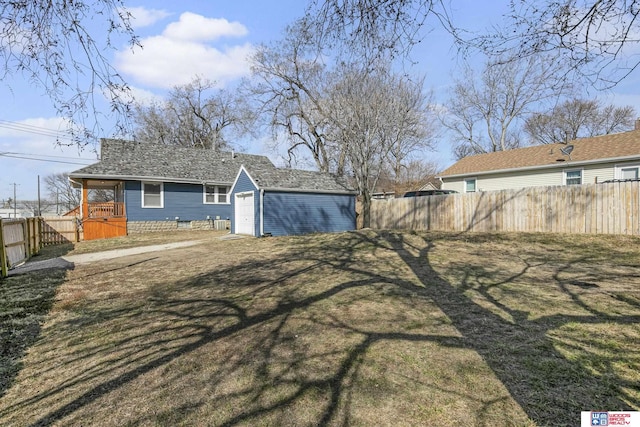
(244, 215)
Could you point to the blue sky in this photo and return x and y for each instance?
(212, 39)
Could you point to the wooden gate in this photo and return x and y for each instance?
(60, 229)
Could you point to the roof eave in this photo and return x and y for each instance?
(539, 167)
(309, 190)
(147, 178)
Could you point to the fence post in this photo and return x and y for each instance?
(39, 234)
(3, 253)
(27, 241)
(32, 241)
(36, 234)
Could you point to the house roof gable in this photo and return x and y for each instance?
(624, 145)
(134, 160)
(298, 180)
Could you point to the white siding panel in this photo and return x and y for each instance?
(548, 177)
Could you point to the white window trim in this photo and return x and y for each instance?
(618, 169)
(217, 194)
(464, 184)
(161, 195)
(564, 176)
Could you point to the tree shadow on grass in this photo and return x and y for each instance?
(552, 389)
(25, 301)
(273, 340)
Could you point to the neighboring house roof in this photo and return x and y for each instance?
(599, 149)
(297, 180)
(432, 183)
(138, 161)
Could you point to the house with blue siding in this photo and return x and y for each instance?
(159, 187)
(277, 202)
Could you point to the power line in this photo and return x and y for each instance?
(36, 130)
(42, 160)
(48, 155)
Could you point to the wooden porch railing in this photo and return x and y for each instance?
(106, 210)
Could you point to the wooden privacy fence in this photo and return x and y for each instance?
(57, 230)
(19, 240)
(611, 208)
(22, 238)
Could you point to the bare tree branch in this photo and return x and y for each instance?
(193, 115)
(49, 43)
(485, 113)
(577, 118)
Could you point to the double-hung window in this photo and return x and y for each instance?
(631, 172)
(216, 194)
(152, 195)
(470, 185)
(573, 177)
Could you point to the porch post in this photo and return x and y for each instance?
(84, 213)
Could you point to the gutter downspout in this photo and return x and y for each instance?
(261, 212)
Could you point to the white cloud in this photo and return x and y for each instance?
(143, 17)
(184, 50)
(144, 96)
(199, 28)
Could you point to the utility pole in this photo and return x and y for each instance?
(39, 208)
(15, 205)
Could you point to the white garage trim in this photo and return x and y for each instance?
(244, 216)
(262, 212)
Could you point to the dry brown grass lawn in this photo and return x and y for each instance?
(367, 328)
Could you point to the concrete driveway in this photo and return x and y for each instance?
(69, 261)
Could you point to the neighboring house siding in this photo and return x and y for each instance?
(242, 185)
(180, 200)
(548, 177)
(511, 180)
(299, 213)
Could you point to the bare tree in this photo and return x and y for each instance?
(52, 44)
(374, 113)
(36, 207)
(485, 114)
(193, 115)
(594, 38)
(61, 191)
(416, 125)
(578, 118)
(63, 195)
(413, 175)
(290, 84)
(373, 29)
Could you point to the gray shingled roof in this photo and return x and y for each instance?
(134, 160)
(298, 180)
